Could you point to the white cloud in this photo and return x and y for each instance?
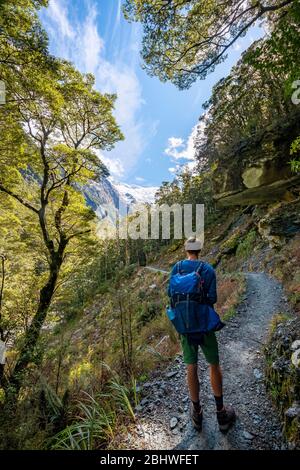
(118, 18)
(114, 165)
(175, 169)
(178, 149)
(140, 179)
(58, 14)
(92, 44)
(175, 142)
(79, 41)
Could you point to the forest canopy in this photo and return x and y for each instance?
(52, 125)
(185, 40)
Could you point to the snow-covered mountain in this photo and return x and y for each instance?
(133, 194)
(108, 192)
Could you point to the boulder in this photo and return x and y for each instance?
(264, 172)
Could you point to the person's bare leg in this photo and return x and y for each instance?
(193, 382)
(194, 387)
(216, 380)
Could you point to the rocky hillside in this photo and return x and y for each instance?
(259, 171)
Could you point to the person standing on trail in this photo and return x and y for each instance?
(208, 341)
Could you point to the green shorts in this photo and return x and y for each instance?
(209, 349)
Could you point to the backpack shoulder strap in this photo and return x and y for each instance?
(179, 266)
(200, 267)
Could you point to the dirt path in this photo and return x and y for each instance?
(156, 270)
(163, 413)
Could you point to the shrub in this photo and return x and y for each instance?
(94, 427)
(245, 247)
(282, 376)
(149, 311)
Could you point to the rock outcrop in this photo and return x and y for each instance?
(280, 190)
(283, 376)
(258, 171)
(280, 223)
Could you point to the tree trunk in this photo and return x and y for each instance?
(33, 333)
(1, 373)
(2, 337)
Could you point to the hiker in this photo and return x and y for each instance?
(207, 341)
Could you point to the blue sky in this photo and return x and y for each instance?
(156, 118)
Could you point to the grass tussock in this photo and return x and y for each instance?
(231, 287)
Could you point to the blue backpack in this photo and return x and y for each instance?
(190, 312)
(185, 286)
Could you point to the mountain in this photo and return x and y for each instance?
(108, 192)
(133, 194)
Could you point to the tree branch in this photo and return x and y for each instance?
(18, 198)
(261, 12)
(3, 259)
(78, 234)
(222, 48)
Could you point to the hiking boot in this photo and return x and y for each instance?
(226, 418)
(197, 418)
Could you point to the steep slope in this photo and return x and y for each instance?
(91, 351)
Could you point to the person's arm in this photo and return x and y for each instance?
(174, 271)
(212, 289)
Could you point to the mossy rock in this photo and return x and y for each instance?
(283, 377)
(231, 243)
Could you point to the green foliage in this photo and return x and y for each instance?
(22, 37)
(279, 318)
(282, 378)
(121, 396)
(53, 409)
(149, 310)
(246, 245)
(271, 54)
(128, 271)
(94, 426)
(230, 313)
(295, 150)
(186, 39)
(249, 111)
(97, 418)
(51, 126)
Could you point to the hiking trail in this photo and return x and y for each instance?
(163, 420)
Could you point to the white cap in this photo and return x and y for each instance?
(192, 244)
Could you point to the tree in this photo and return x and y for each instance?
(58, 120)
(25, 267)
(22, 39)
(271, 54)
(186, 39)
(241, 107)
(2, 284)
